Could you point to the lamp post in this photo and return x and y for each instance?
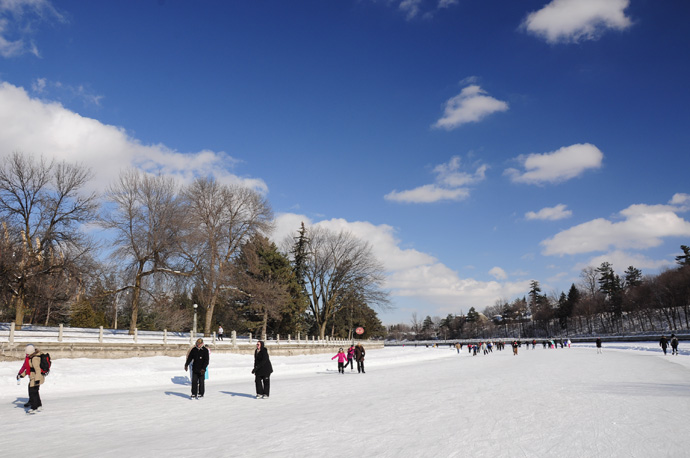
(194, 325)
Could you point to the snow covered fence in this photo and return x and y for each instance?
(66, 342)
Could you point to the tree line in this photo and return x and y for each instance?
(140, 254)
(601, 303)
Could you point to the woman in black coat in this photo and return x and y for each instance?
(262, 371)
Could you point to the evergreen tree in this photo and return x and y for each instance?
(684, 259)
(610, 285)
(633, 277)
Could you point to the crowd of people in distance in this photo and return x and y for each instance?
(486, 347)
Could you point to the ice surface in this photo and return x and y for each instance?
(630, 401)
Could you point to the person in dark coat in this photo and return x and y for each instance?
(262, 371)
(198, 358)
(663, 343)
(674, 344)
(359, 357)
(598, 343)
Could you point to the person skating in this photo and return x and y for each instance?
(262, 371)
(674, 344)
(598, 345)
(198, 357)
(359, 357)
(350, 357)
(342, 357)
(663, 342)
(221, 332)
(32, 368)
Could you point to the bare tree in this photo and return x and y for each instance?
(336, 265)
(147, 222)
(42, 206)
(221, 218)
(589, 281)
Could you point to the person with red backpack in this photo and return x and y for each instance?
(32, 368)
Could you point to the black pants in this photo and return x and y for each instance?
(360, 365)
(349, 363)
(198, 387)
(263, 384)
(34, 397)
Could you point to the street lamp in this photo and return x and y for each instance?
(194, 325)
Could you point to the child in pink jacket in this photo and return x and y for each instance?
(342, 357)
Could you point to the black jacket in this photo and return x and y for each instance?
(198, 358)
(262, 363)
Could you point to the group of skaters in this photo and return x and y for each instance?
(500, 345)
(356, 353)
(664, 342)
(198, 358)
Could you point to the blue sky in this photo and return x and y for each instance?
(477, 145)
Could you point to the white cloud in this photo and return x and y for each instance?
(409, 272)
(410, 8)
(682, 201)
(58, 91)
(450, 184)
(563, 164)
(550, 213)
(570, 21)
(36, 127)
(447, 3)
(427, 194)
(16, 24)
(621, 260)
(498, 273)
(642, 227)
(471, 105)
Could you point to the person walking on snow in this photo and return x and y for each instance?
(32, 368)
(663, 343)
(262, 371)
(342, 357)
(198, 357)
(598, 345)
(674, 345)
(359, 357)
(221, 332)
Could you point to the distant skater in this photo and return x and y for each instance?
(598, 345)
(221, 332)
(342, 358)
(663, 343)
(350, 357)
(674, 345)
(515, 348)
(359, 357)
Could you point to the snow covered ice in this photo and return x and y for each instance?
(630, 401)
